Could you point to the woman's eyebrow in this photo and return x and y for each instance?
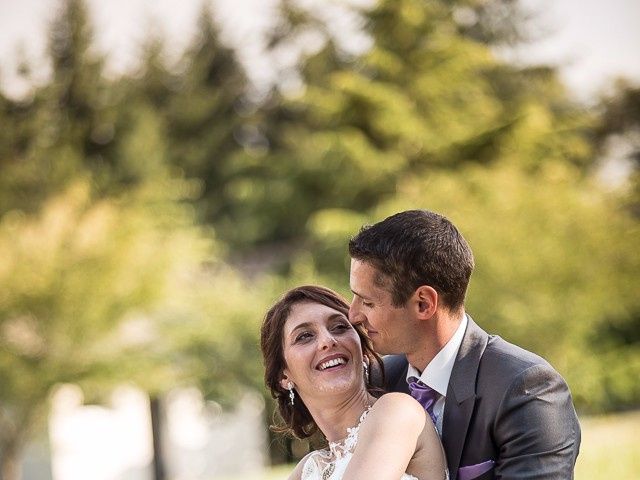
(299, 326)
(337, 316)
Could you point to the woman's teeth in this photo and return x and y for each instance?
(332, 363)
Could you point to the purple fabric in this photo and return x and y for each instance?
(474, 471)
(425, 395)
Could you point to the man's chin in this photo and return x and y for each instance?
(380, 348)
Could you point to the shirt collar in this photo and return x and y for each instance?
(438, 371)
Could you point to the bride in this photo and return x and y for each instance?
(316, 366)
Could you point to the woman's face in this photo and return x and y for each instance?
(322, 351)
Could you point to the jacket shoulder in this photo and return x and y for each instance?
(504, 365)
(395, 368)
(509, 357)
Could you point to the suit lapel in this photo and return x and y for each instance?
(461, 394)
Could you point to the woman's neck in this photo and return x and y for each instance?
(333, 420)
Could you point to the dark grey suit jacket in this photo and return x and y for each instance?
(504, 404)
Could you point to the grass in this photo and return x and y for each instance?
(609, 450)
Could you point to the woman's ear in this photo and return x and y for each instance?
(285, 383)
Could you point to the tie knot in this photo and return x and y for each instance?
(419, 390)
(424, 394)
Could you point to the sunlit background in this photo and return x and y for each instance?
(168, 168)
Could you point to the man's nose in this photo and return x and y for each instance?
(355, 316)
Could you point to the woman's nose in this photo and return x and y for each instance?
(327, 340)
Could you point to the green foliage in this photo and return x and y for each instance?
(619, 124)
(81, 282)
(206, 127)
(425, 98)
(77, 268)
(101, 247)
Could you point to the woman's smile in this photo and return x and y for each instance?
(332, 362)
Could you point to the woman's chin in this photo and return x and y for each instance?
(336, 383)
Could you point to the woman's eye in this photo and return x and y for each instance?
(341, 327)
(303, 336)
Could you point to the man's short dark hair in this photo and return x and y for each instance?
(415, 248)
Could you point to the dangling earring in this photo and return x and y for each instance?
(291, 394)
(366, 371)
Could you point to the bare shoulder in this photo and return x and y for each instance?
(398, 408)
(398, 402)
(401, 412)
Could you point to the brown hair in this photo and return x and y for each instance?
(414, 248)
(297, 419)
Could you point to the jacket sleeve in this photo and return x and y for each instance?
(536, 428)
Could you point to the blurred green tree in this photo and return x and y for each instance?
(75, 279)
(619, 123)
(101, 240)
(67, 127)
(209, 125)
(428, 96)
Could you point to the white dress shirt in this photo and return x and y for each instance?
(438, 371)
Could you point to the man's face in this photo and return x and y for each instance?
(372, 307)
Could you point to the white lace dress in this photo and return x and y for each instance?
(331, 463)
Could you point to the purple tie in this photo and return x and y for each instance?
(425, 395)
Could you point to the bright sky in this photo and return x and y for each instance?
(592, 41)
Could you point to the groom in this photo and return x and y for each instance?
(502, 412)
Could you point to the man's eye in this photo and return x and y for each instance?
(367, 304)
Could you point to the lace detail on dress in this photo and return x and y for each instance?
(331, 463)
(348, 444)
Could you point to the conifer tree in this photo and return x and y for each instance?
(205, 122)
(429, 95)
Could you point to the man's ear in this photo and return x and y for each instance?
(425, 301)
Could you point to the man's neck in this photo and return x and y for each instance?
(434, 337)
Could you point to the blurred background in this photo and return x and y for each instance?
(169, 168)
